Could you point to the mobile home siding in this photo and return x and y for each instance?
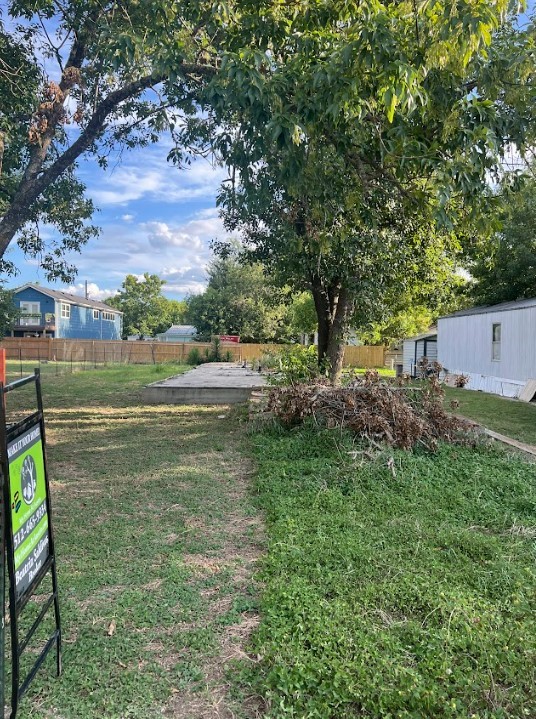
(414, 349)
(465, 344)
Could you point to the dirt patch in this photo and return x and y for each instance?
(201, 564)
(240, 542)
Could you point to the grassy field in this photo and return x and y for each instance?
(402, 587)
(382, 371)
(156, 539)
(510, 417)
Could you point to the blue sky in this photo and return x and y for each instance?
(153, 217)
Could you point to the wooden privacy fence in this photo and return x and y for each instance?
(104, 351)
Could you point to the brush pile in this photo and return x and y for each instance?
(380, 411)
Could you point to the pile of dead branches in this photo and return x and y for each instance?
(378, 410)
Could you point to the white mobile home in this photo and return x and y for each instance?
(494, 345)
(415, 348)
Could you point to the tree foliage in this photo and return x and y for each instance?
(505, 265)
(367, 136)
(239, 300)
(301, 315)
(9, 312)
(356, 250)
(410, 105)
(145, 310)
(119, 73)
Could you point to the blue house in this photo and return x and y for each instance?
(49, 313)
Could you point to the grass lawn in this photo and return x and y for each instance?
(508, 416)
(156, 538)
(395, 592)
(382, 371)
(398, 588)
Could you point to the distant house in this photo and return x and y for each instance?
(178, 333)
(494, 345)
(50, 313)
(415, 348)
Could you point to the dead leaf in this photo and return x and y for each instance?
(111, 629)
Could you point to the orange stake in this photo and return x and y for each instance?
(3, 366)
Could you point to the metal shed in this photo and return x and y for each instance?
(494, 345)
(415, 348)
(178, 333)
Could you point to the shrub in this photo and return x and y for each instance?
(215, 352)
(296, 364)
(194, 357)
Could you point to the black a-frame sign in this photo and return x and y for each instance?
(27, 532)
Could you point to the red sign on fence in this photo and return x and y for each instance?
(230, 338)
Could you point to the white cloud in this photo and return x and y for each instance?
(152, 178)
(127, 218)
(93, 290)
(161, 236)
(177, 252)
(185, 288)
(208, 213)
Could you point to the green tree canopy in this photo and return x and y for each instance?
(505, 265)
(9, 312)
(301, 315)
(367, 133)
(356, 249)
(239, 300)
(145, 310)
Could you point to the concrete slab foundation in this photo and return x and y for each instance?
(211, 383)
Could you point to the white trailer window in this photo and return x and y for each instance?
(496, 341)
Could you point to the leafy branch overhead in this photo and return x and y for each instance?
(114, 64)
(419, 101)
(364, 147)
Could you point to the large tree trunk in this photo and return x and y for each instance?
(333, 309)
(337, 336)
(323, 314)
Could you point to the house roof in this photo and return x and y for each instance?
(432, 332)
(66, 297)
(181, 330)
(502, 307)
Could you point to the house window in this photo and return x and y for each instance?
(30, 313)
(496, 342)
(30, 308)
(65, 311)
(108, 316)
(95, 314)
